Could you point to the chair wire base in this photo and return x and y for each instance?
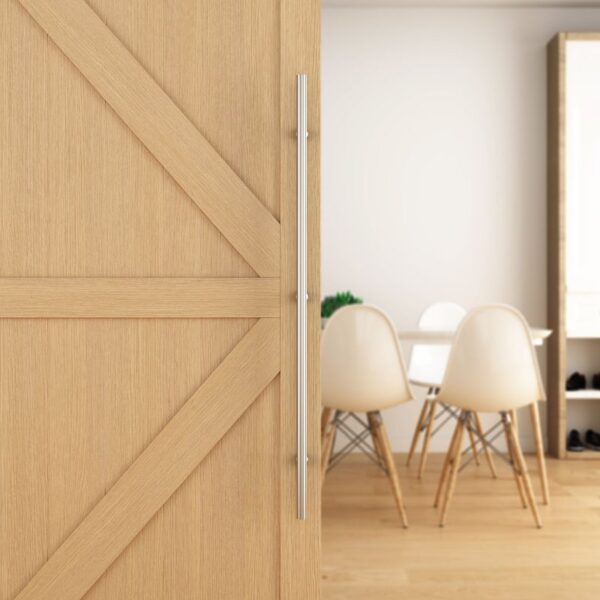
(486, 439)
(356, 439)
(449, 413)
(362, 438)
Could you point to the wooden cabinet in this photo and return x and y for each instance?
(573, 233)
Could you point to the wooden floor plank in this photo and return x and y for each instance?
(488, 550)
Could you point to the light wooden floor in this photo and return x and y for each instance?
(489, 549)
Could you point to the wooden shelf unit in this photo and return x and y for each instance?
(583, 395)
(559, 400)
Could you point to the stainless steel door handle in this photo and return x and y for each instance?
(302, 300)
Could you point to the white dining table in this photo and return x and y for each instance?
(433, 336)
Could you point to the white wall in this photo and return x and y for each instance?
(434, 151)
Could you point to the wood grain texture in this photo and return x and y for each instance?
(384, 449)
(556, 237)
(300, 547)
(138, 298)
(512, 456)
(81, 196)
(415, 438)
(156, 120)
(486, 449)
(557, 354)
(94, 202)
(327, 442)
(453, 465)
(80, 399)
(427, 436)
(521, 465)
(159, 471)
(489, 550)
(538, 439)
(23, 408)
(557, 344)
(582, 36)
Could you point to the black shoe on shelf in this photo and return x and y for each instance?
(592, 440)
(576, 382)
(596, 381)
(574, 443)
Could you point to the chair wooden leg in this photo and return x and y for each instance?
(522, 465)
(513, 461)
(486, 450)
(539, 451)
(453, 469)
(373, 419)
(388, 458)
(445, 469)
(327, 449)
(427, 438)
(473, 442)
(326, 414)
(417, 433)
(514, 417)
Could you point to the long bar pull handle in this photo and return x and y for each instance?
(302, 301)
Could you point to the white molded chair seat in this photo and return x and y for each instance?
(492, 366)
(362, 367)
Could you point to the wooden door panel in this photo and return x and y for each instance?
(81, 193)
(23, 455)
(216, 60)
(231, 498)
(161, 126)
(79, 402)
(161, 468)
(146, 446)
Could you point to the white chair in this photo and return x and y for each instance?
(426, 369)
(428, 361)
(492, 367)
(362, 370)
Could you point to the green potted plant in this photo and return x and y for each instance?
(330, 304)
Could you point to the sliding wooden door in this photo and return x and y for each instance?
(147, 299)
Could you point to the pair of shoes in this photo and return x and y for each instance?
(575, 443)
(577, 381)
(592, 440)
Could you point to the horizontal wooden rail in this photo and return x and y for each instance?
(74, 298)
